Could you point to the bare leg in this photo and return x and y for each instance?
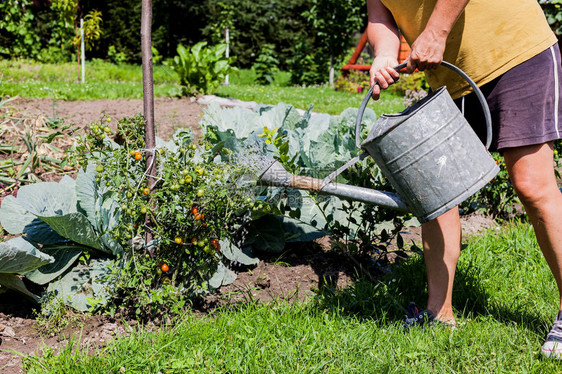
(441, 246)
(532, 174)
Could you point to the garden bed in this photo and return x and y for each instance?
(294, 275)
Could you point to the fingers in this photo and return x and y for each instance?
(376, 92)
(382, 79)
(421, 65)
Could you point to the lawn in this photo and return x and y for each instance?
(109, 81)
(505, 301)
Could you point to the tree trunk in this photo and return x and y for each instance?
(148, 102)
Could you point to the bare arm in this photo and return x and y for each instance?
(427, 50)
(382, 34)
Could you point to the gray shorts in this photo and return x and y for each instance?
(524, 103)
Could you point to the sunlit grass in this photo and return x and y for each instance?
(109, 81)
(505, 301)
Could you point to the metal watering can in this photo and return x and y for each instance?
(428, 152)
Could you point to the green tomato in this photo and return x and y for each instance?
(143, 210)
(188, 179)
(106, 129)
(129, 194)
(200, 192)
(174, 187)
(99, 169)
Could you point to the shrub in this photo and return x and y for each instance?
(266, 65)
(116, 57)
(354, 82)
(306, 68)
(201, 69)
(17, 36)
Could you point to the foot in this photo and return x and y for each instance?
(552, 347)
(425, 318)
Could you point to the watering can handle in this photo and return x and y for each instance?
(479, 94)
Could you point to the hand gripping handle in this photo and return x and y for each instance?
(479, 94)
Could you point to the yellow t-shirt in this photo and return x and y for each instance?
(489, 38)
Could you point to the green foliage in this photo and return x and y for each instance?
(313, 145)
(308, 68)
(141, 292)
(333, 22)
(355, 82)
(256, 23)
(553, 13)
(224, 21)
(116, 57)
(266, 65)
(410, 82)
(92, 30)
(61, 26)
(17, 35)
(57, 218)
(201, 69)
(196, 208)
(20, 256)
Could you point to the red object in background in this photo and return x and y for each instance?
(352, 64)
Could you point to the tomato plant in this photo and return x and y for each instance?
(193, 206)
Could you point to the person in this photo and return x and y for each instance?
(511, 53)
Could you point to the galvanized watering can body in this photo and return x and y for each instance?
(428, 152)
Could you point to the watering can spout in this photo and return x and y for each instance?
(276, 175)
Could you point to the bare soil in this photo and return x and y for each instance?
(294, 275)
(169, 113)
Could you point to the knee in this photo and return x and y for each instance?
(531, 192)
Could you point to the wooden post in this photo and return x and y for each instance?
(227, 38)
(148, 101)
(82, 51)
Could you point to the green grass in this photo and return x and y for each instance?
(323, 98)
(60, 81)
(109, 81)
(505, 301)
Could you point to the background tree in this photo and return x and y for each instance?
(333, 23)
(17, 36)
